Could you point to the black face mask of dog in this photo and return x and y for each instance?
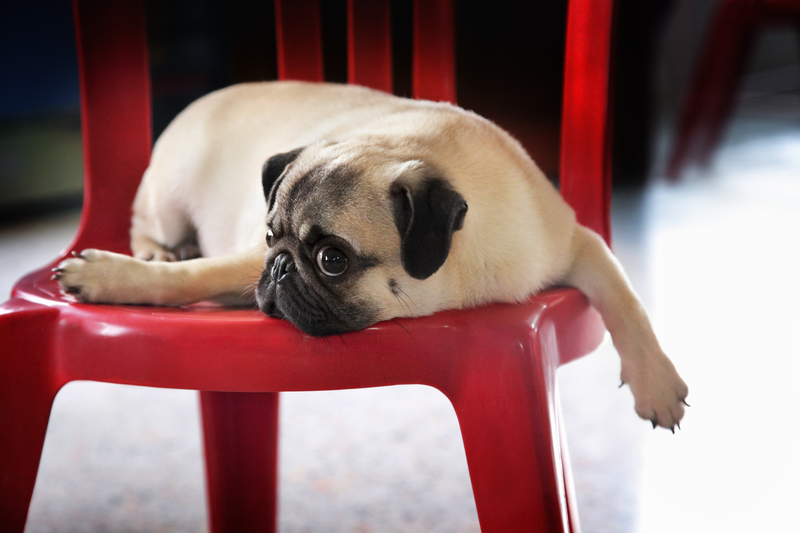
(315, 278)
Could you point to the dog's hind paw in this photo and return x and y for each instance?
(659, 392)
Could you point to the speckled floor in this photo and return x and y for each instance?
(716, 259)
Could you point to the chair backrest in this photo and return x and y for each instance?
(369, 45)
(115, 93)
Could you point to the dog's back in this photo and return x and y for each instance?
(204, 178)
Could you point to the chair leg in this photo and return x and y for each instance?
(510, 424)
(241, 445)
(26, 396)
(569, 486)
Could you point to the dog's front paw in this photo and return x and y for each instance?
(96, 276)
(659, 392)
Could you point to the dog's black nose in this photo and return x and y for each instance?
(283, 265)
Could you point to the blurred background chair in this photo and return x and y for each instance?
(712, 91)
(516, 452)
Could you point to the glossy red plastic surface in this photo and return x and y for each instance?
(117, 134)
(585, 178)
(712, 92)
(496, 364)
(434, 51)
(369, 44)
(299, 40)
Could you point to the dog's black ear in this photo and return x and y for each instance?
(426, 214)
(272, 170)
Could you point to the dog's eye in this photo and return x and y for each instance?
(331, 261)
(270, 238)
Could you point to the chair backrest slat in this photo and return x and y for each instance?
(586, 121)
(299, 40)
(115, 117)
(369, 44)
(434, 56)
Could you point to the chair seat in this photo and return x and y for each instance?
(496, 364)
(207, 347)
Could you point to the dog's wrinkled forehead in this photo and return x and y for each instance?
(305, 188)
(343, 196)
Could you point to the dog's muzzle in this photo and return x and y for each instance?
(282, 293)
(266, 297)
(282, 266)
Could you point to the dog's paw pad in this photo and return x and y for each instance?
(72, 289)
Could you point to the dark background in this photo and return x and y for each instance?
(509, 69)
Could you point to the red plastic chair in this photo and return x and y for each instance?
(712, 92)
(496, 364)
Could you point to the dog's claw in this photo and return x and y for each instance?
(73, 290)
(678, 424)
(654, 423)
(672, 429)
(56, 276)
(685, 403)
(621, 384)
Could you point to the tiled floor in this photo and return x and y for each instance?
(716, 259)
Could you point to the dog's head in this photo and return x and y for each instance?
(351, 226)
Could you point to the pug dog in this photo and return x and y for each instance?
(368, 207)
